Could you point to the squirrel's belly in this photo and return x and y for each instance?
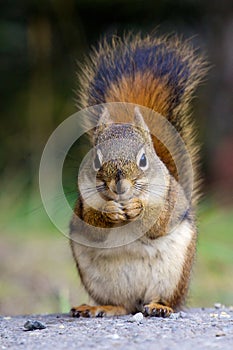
(136, 273)
(122, 281)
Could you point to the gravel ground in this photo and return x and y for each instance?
(194, 329)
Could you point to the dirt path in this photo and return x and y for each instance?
(195, 329)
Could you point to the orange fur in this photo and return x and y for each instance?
(138, 90)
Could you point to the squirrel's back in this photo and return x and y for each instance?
(160, 73)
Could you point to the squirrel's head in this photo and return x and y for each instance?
(124, 159)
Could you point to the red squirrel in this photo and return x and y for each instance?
(150, 274)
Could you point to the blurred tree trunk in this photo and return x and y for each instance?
(40, 102)
(219, 127)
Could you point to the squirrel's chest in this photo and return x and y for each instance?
(136, 272)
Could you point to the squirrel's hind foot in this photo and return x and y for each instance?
(157, 310)
(97, 311)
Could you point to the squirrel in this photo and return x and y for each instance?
(138, 179)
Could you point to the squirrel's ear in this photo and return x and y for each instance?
(105, 117)
(138, 119)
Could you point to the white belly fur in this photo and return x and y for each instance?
(137, 271)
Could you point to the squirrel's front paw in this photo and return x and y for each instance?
(133, 208)
(114, 212)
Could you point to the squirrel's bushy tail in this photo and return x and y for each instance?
(160, 73)
(157, 72)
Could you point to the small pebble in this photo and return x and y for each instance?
(175, 316)
(220, 334)
(218, 306)
(224, 315)
(114, 336)
(33, 325)
(138, 317)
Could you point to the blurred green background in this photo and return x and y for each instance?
(40, 42)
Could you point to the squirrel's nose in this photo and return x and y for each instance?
(120, 187)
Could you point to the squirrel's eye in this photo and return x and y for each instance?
(97, 161)
(143, 161)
